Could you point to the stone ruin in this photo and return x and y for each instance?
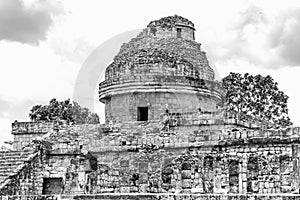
(165, 136)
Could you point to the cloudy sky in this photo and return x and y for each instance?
(50, 48)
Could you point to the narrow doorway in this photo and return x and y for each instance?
(142, 114)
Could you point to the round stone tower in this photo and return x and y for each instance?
(161, 70)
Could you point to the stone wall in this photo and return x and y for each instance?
(123, 108)
(187, 153)
(167, 27)
(154, 197)
(98, 159)
(25, 132)
(185, 32)
(200, 170)
(196, 170)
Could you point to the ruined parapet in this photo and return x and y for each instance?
(155, 72)
(25, 132)
(172, 26)
(218, 117)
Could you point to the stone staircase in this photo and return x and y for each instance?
(11, 162)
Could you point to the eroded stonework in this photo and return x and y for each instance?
(165, 133)
(156, 69)
(184, 156)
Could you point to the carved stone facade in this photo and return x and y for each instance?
(204, 157)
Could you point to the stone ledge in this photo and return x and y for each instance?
(20, 128)
(166, 196)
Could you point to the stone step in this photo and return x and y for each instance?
(5, 155)
(10, 159)
(9, 162)
(5, 166)
(7, 173)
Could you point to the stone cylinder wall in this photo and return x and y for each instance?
(123, 107)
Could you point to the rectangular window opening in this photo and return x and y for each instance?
(153, 31)
(179, 32)
(142, 114)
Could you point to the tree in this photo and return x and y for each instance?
(256, 96)
(63, 110)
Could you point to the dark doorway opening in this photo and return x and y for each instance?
(142, 114)
(179, 32)
(52, 185)
(233, 167)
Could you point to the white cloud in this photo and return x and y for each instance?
(261, 36)
(27, 24)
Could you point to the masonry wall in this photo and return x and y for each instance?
(21, 140)
(191, 155)
(124, 108)
(186, 32)
(25, 132)
(152, 166)
(157, 197)
(197, 170)
(254, 169)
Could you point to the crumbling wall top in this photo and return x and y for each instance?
(170, 22)
(19, 128)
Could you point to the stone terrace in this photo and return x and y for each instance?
(205, 132)
(173, 130)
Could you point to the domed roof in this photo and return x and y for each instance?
(163, 48)
(162, 65)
